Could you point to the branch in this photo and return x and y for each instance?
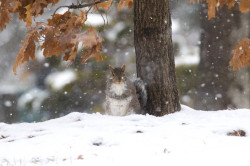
(73, 6)
(79, 6)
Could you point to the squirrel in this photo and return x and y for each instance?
(124, 97)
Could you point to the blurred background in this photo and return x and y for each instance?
(48, 88)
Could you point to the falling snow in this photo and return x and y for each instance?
(7, 103)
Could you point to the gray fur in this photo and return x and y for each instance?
(133, 90)
(134, 105)
(141, 93)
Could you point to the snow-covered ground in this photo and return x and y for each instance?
(185, 138)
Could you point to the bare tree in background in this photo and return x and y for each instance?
(214, 77)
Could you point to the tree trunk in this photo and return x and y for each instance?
(240, 91)
(154, 55)
(214, 75)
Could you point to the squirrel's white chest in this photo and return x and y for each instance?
(118, 88)
(118, 107)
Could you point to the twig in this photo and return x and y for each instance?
(79, 6)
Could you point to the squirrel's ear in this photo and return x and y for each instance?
(111, 68)
(123, 67)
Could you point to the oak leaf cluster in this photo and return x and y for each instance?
(26, 9)
(241, 52)
(213, 5)
(63, 34)
(241, 55)
(66, 34)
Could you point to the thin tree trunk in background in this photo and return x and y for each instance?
(214, 75)
(240, 92)
(8, 52)
(154, 55)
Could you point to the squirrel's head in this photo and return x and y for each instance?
(118, 74)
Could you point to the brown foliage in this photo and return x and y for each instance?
(244, 5)
(241, 52)
(93, 44)
(211, 8)
(213, 5)
(121, 5)
(5, 9)
(125, 3)
(27, 50)
(105, 5)
(63, 34)
(241, 55)
(240, 133)
(80, 157)
(27, 9)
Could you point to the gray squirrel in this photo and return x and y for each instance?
(124, 97)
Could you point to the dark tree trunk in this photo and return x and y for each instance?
(154, 55)
(213, 70)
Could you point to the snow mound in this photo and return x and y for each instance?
(188, 137)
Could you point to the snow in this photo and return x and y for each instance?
(186, 60)
(188, 51)
(35, 97)
(92, 19)
(58, 80)
(7, 103)
(12, 84)
(97, 19)
(188, 137)
(7, 34)
(175, 26)
(113, 33)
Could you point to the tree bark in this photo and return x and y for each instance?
(214, 76)
(154, 55)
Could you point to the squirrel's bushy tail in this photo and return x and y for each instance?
(141, 93)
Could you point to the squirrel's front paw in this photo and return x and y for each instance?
(124, 96)
(118, 97)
